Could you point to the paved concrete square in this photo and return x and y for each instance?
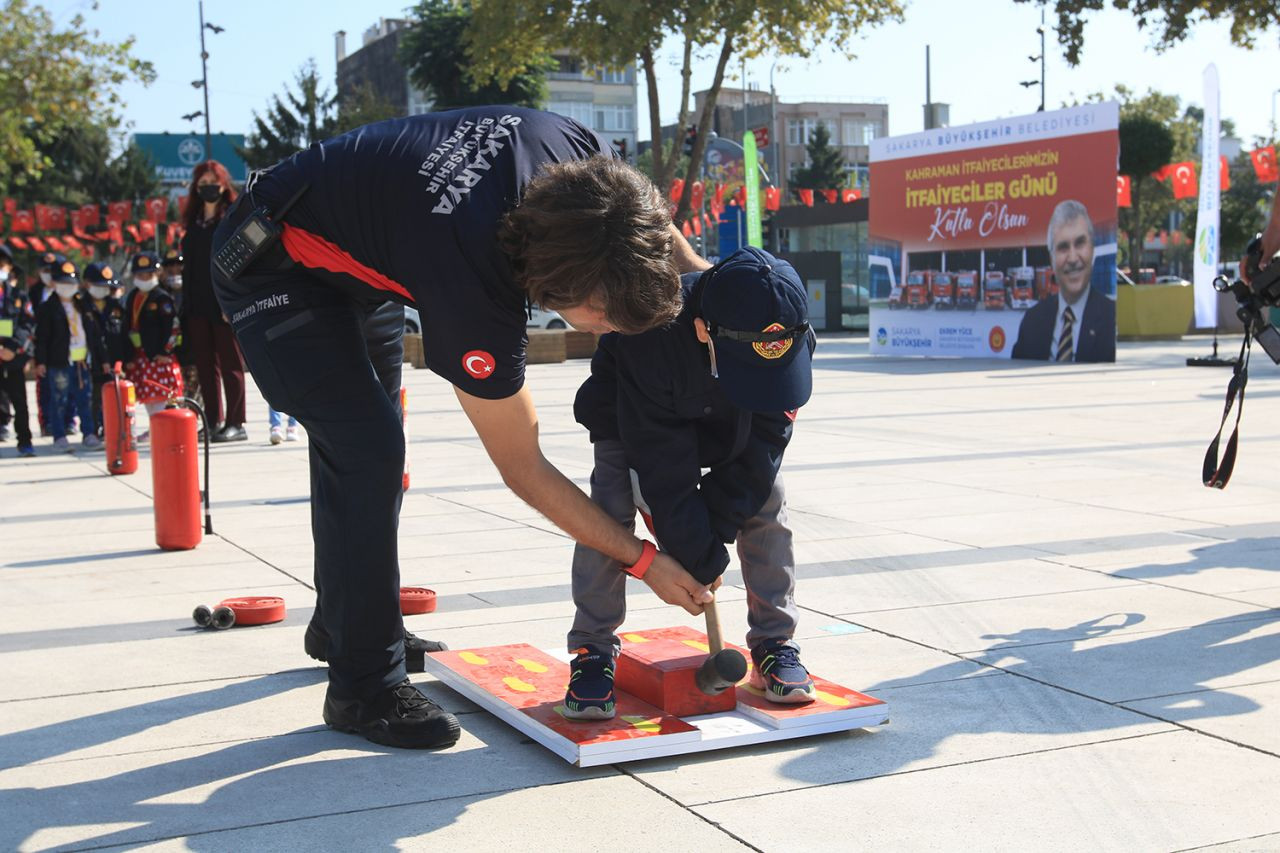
(1079, 643)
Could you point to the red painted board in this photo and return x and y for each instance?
(664, 673)
(529, 679)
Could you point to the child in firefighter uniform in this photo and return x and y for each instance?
(16, 326)
(153, 333)
(171, 280)
(63, 332)
(109, 342)
(40, 292)
(692, 419)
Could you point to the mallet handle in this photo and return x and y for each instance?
(714, 638)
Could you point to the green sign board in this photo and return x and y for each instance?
(174, 154)
(751, 176)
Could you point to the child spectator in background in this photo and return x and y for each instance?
(153, 333)
(15, 351)
(62, 357)
(37, 294)
(171, 280)
(110, 340)
(280, 432)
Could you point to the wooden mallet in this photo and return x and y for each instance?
(725, 667)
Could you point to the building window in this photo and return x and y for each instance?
(800, 129)
(611, 75)
(580, 111)
(861, 131)
(613, 117)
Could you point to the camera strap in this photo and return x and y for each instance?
(1217, 472)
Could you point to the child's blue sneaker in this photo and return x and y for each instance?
(778, 672)
(590, 694)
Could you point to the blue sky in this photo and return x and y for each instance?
(979, 51)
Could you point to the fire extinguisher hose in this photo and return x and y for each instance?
(122, 441)
(204, 493)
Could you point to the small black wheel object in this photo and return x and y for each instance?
(202, 615)
(223, 617)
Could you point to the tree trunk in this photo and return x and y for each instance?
(704, 125)
(1138, 236)
(655, 119)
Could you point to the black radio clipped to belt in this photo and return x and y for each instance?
(252, 238)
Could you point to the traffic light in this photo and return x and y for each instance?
(621, 146)
(690, 137)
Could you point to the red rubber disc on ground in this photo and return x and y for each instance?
(415, 600)
(256, 609)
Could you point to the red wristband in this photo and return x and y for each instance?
(647, 553)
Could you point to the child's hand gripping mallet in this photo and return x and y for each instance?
(725, 667)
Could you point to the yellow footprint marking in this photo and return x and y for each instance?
(700, 646)
(531, 665)
(473, 658)
(519, 686)
(644, 724)
(635, 638)
(746, 685)
(832, 699)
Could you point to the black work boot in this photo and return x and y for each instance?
(399, 716)
(415, 648)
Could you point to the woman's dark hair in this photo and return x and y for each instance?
(595, 232)
(194, 205)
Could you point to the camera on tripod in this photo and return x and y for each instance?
(1261, 291)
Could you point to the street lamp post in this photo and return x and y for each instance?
(1041, 59)
(203, 82)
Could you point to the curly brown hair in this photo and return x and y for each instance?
(595, 232)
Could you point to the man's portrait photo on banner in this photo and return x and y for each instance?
(1079, 322)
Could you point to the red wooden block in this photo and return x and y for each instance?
(662, 672)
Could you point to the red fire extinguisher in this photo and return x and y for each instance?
(175, 478)
(118, 404)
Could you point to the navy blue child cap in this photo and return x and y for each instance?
(100, 273)
(756, 310)
(52, 260)
(65, 273)
(145, 262)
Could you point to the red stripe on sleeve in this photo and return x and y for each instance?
(315, 252)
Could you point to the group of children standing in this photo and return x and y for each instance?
(75, 326)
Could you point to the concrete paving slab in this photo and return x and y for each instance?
(1206, 711)
(1057, 618)
(520, 821)
(1165, 791)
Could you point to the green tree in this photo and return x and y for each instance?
(1249, 19)
(826, 167)
(52, 78)
(506, 36)
(304, 115)
(84, 169)
(362, 106)
(1146, 145)
(434, 51)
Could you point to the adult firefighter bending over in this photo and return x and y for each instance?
(469, 215)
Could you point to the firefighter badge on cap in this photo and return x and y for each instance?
(772, 349)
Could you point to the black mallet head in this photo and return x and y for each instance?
(721, 671)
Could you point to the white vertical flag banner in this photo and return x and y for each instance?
(1207, 219)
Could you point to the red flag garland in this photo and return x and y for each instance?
(830, 196)
(1264, 164)
(806, 197)
(157, 209)
(120, 211)
(23, 222)
(772, 198)
(1184, 179)
(696, 195)
(1224, 171)
(677, 190)
(1124, 191)
(847, 196)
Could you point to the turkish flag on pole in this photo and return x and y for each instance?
(686, 230)
(157, 208)
(740, 197)
(772, 198)
(90, 215)
(1264, 163)
(806, 197)
(1225, 172)
(847, 196)
(115, 232)
(697, 225)
(1124, 188)
(10, 205)
(146, 230)
(830, 196)
(42, 217)
(1163, 173)
(23, 222)
(677, 190)
(57, 219)
(120, 211)
(1184, 180)
(696, 195)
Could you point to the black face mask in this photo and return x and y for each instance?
(209, 192)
